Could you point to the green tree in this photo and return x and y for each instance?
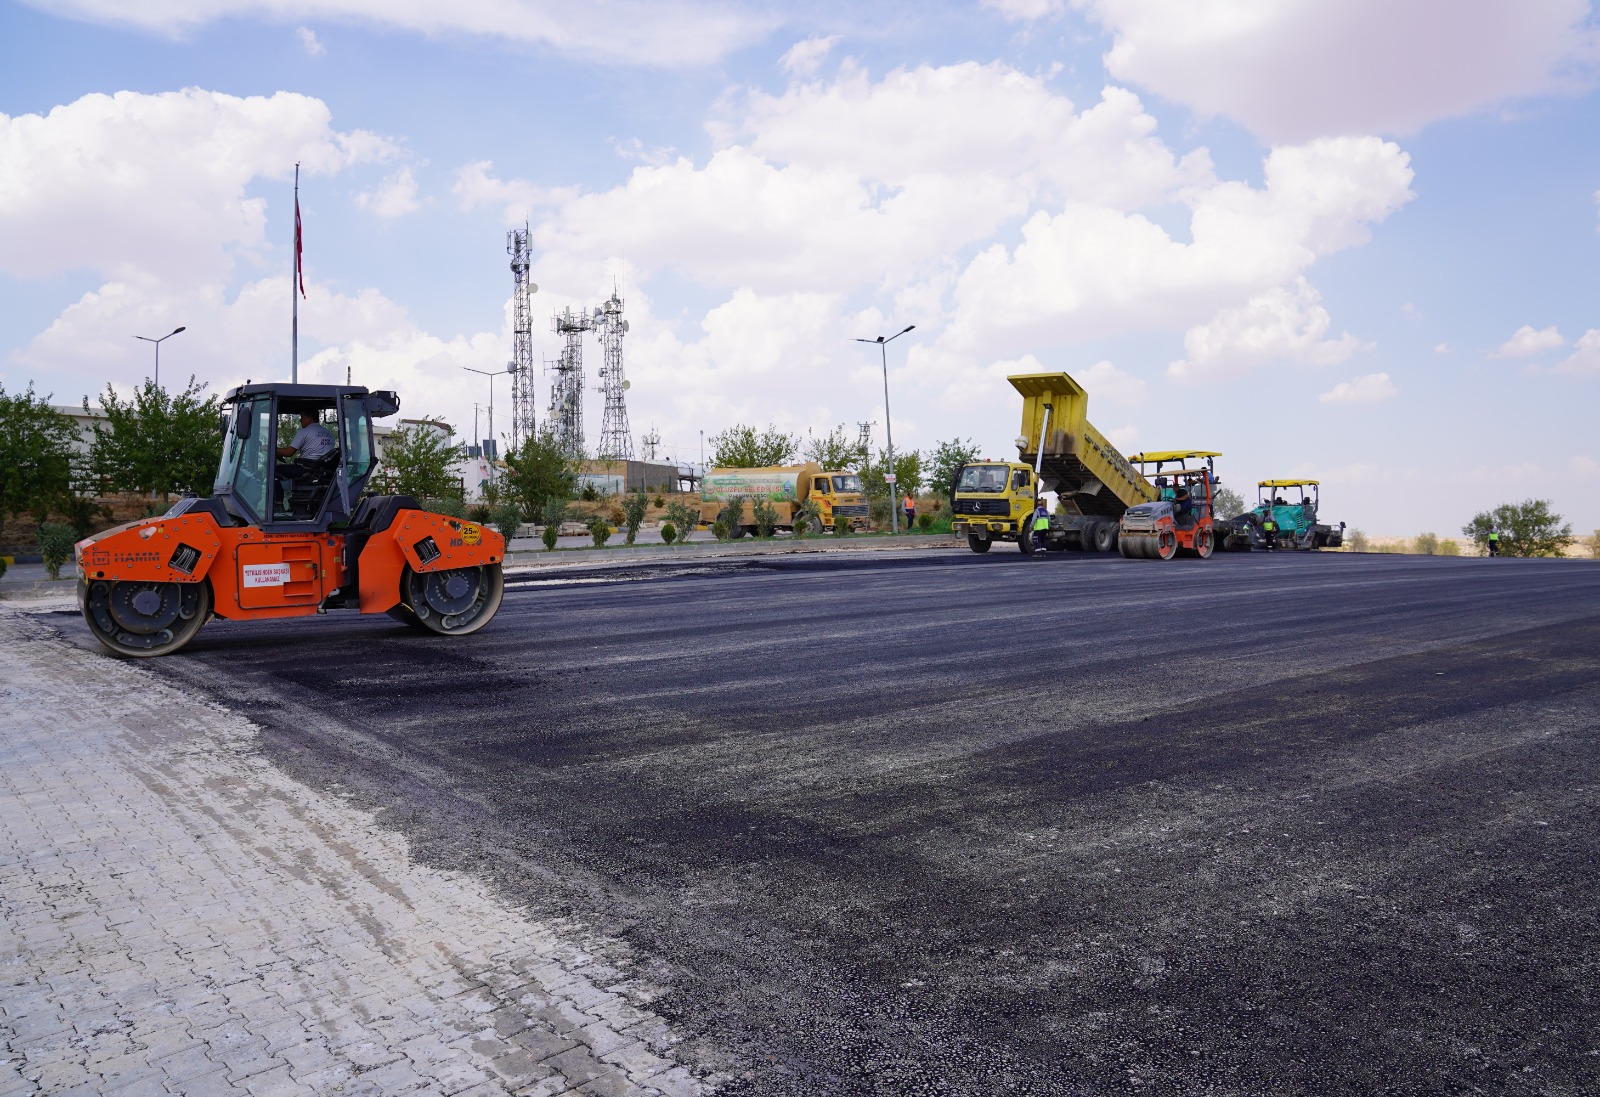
(744, 447)
(420, 461)
(907, 469)
(56, 540)
(36, 444)
(1427, 544)
(633, 512)
(1357, 541)
(839, 450)
(539, 470)
(158, 441)
(1228, 503)
(1593, 541)
(765, 515)
(683, 517)
(1528, 528)
(552, 514)
(945, 461)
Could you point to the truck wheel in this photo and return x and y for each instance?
(456, 602)
(1103, 537)
(978, 544)
(1025, 543)
(144, 619)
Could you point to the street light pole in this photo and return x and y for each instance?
(888, 427)
(158, 343)
(491, 375)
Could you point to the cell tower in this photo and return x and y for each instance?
(616, 442)
(565, 417)
(521, 366)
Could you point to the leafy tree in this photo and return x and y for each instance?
(1227, 502)
(1357, 541)
(507, 518)
(552, 514)
(1594, 544)
(744, 447)
(839, 450)
(1427, 544)
(539, 470)
(36, 444)
(683, 517)
(944, 461)
(765, 515)
(1528, 528)
(633, 512)
(420, 461)
(907, 469)
(158, 441)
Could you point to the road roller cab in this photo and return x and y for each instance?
(1180, 521)
(288, 538)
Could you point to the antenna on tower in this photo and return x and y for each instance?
(651, 443)
(565, 418)
(616, 441)
(521, 366)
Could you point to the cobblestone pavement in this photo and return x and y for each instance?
(178, 917)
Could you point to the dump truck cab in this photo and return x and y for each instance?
(1294, 506)
(993, 501)
(1179, 521)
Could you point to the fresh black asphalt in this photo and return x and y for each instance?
(935, 823)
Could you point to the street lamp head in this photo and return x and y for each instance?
(907, 328)
(177, 330)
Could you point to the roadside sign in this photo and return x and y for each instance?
(889, 479)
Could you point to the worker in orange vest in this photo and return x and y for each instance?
(911, 512)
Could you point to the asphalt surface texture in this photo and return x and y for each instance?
(939, 823)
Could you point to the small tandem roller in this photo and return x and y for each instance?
(288, 539)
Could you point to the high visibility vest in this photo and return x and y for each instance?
(1493, 536)
(1269, 525)
(1041, 522)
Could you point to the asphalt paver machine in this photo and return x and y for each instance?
(1294, 506)
(288, 542)
(1180, 521)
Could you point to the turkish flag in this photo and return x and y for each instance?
(299, 268)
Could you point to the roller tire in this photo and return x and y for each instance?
(128, 622)
(440, 608)
(978, 544)
(1204, 544)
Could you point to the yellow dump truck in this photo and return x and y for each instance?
(1059, 451)
(836, 494)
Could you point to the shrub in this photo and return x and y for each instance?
(669, 533)
(480, 513)
(731, 516)
(684, 517)
(1357, 541)
(804, 516)
(766, 516)
(507, 518)
(841, 526)
(589, 493)
(1449, 548)
(879, 509)
(719, 529)
(600, 530)
(1427, 544)
(633, 513)
(55, 545)
(658, 502)
(925, 522)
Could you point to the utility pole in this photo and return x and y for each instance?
(888, 426)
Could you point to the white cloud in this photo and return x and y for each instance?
(1109, 384)
(129, 184)
(475, 186)
(396, 196)
(805, 57)
(1291, 70)
(1021, 11)
(1526, 342)
(1583, 466)
(1370, 388)
(1285, 324)
(309, 42)
(1441, 348)
(640, 32)
(1585, 358)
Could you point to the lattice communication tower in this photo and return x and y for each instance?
(521, 365)
(565, 417)
(616, 441)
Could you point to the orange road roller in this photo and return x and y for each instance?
(288, 531)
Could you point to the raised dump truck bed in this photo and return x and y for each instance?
(1059, 451)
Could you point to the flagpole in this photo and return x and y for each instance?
(294, 288)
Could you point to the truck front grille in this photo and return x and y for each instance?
(983, 506)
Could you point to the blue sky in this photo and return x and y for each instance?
(1355, 240)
